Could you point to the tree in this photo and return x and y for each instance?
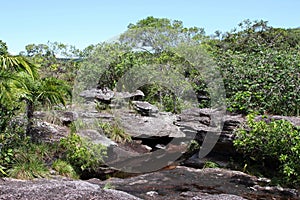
(3, 48)
(157, 34)
(11, 84)
(46, 91)
(19, 80)
(55, 59)
(163, 38)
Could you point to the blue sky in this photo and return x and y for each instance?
(84, 22)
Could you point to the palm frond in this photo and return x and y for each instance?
(18, 64)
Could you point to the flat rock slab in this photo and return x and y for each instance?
(145, 126)
(63, 189)
(188, 183)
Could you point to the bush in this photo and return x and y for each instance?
(277, 141)
(10, 141)
(260, 69)
(80, 153)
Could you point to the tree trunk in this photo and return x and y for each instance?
(29, 115)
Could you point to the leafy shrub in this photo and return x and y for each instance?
(260, 69)
(277, 141)
(80, 153)
(10, 140)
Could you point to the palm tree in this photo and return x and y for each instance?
(47, 91)
(19, 80)
(11, 85)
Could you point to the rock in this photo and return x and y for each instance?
(137, 95)
(205, 196)
(106, 95)
(152, 193)
(199, 121)
(103, 95)
(188, 183)
(145, 127)
(58, 117)
(145, 108)
(199, 163)
(96, 137)
(44, 189)
(47, 132)
(67, 117)
(294, 120)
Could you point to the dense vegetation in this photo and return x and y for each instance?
(259, 66)
(271, 144)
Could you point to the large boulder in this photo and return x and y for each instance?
(47, 132)
(139, 126)
(200, 122)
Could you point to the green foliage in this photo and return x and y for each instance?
(28, 166)
(108, 186)
(11, 138)
(210, 164)
(100, 106)
(47, 91)
(2, 172)
(260, 68)
(193, 146)
(64, 169)
(55, 60)
(276, 141)
(3, 48)
(29, 160)
(80, 153)
(115, 132)
(157, 34)
(11, 84)
(146, 44)
(18, 64)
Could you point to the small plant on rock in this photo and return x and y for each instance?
(64, 169)
(115, 132)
